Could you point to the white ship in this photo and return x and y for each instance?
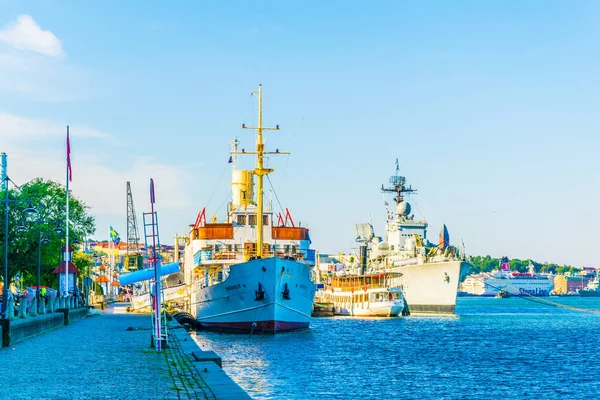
(174, 291)
(430, 274)
(370, 295)
(514, 282)
(250, 272)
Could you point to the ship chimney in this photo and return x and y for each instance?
(444, 238)
(363, 258)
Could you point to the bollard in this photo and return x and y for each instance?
(23, 309)
(42, 306)
(33, 307)
(10, 309)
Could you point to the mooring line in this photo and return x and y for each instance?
(534, 299)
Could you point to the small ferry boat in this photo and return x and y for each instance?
(175, 292)
(369, 295)
(503, 294)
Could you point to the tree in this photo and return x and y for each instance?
(48, 198)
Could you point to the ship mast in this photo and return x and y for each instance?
(234, 149)
(260, 170)
(399, 187)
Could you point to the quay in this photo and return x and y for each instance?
(108, 356)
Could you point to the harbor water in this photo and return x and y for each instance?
(492, 348)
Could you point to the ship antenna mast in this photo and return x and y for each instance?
(234, 149)
(399, 186)
(260, 171)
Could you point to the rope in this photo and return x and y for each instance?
(534, 299)
(217, 185)
(224, 202)
(275, 193)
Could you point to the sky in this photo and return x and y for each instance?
(489, 107)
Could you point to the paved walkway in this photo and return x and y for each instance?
(99, 358)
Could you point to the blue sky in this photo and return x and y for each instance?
(490, 108)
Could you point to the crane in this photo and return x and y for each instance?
(133, 259)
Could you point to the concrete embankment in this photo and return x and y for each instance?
(17, 330)
(108, 357)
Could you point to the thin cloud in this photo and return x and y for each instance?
(96, 180)
(26, 34)
(22, 128)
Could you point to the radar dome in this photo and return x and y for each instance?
(403, 208)
(383, 246)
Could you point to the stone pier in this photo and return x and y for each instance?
(108, 356)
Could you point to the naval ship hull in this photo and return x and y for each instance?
(236, 305)
(431, 288)
(589, 293)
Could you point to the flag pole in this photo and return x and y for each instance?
(66, 256)
(110, 262)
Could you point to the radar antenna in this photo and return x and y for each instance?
(399, 186)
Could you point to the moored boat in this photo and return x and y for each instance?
(429, 274)
(513, 282)
(592, 289)
(369, 295)
(250, 272)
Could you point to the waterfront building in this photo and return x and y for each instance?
(565, 284)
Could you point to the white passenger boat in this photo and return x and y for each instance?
(370, 295)
(512, 282)
(253, 270)
(174, 291)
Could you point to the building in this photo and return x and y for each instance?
(565, 284)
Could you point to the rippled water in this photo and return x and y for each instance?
(493, 349)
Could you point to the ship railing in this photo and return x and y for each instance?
(210, 255)
(227, 255)
(239, 255)
(354, 288)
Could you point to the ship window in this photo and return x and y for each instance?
(241, 220)
(252, 219)
(265, 220)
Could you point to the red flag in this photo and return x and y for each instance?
(69, 157)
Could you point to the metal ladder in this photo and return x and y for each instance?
(152, 243)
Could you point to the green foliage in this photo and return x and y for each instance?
(84, 263)
(48, 198)
(487, 264)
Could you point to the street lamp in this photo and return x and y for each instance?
(41, 241)
(28, 210)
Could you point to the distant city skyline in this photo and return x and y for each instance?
(489, 107)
